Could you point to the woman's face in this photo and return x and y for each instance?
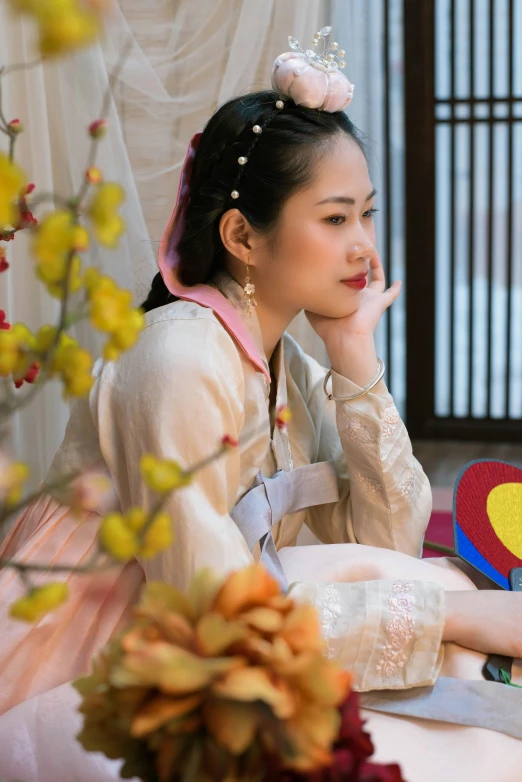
(325, 240)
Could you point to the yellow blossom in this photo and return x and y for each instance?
(109, 305)
(12, 478)
(72, 362)
(163, 475)
(125, 535)
(126, 335)
(92, 279)
(76, 367)
(16, 346)
(135, 519)
(12, 180)
(107, 224)
(45, 337)
(39, 601)
(111, 311)
(56, 237)
(158, 537)
(74, 283)
(9, 352)
(110, 352)
(64, 25)
(117, 538)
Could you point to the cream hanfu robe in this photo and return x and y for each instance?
(176, 393)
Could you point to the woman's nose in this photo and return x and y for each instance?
(362, 252)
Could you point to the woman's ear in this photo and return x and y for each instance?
(236, 234)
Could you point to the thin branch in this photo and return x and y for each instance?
(439, 547)
(106, 104)
(19, 66)
(28, 567)
(47, 488)
(2, 116)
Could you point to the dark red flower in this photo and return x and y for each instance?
(30, 376)
(350, 753)
(26, 216)
(98, 128)
(4, 325)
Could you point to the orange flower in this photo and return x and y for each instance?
(283, 416)
(238, 665)
(93, 175)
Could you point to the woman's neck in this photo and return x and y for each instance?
(272, 321)
(272, 324)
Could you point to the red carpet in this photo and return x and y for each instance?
(440, 530)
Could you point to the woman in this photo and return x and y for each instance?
(277, 196)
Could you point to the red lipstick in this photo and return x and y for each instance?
(358, 282)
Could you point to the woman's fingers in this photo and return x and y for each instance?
(378, 282)
(393, 293)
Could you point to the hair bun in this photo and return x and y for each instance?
(312, 78)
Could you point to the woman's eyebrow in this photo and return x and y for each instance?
(345, 199)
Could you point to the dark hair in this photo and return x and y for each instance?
(281, 163)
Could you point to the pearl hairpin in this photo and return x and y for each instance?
(243, 160)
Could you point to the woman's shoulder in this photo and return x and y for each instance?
(179, 311)
(184, 328)
(181, 341)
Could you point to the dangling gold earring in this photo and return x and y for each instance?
(249, 291)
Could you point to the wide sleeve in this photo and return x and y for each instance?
(388, 634)
(175, 395)
(385, 497)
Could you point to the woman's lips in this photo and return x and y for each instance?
(358, 282)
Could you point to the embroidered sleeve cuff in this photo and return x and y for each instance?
(387, 633)
(342, 386)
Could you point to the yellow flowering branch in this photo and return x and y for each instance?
(15, 510)
(14, 403)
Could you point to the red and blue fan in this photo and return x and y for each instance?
(487, 520)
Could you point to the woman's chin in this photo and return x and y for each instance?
(343, 309)
(336, 305)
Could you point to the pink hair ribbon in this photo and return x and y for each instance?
(205, 295)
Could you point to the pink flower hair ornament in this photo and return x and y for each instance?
(313, 78)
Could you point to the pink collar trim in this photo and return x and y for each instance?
(204, 295)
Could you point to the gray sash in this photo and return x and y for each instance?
(269, 499)
(480, 704)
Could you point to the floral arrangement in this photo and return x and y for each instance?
(229, 681)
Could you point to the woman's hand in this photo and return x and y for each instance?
(375, 300)
(350, 341)
(485, 620)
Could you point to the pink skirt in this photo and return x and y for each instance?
(39, 706)
(59, 648)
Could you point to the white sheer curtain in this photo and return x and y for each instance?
(188, 56)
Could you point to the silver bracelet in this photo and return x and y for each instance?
(365, 390)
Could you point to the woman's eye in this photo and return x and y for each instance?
(370, 213)
(336, 219)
